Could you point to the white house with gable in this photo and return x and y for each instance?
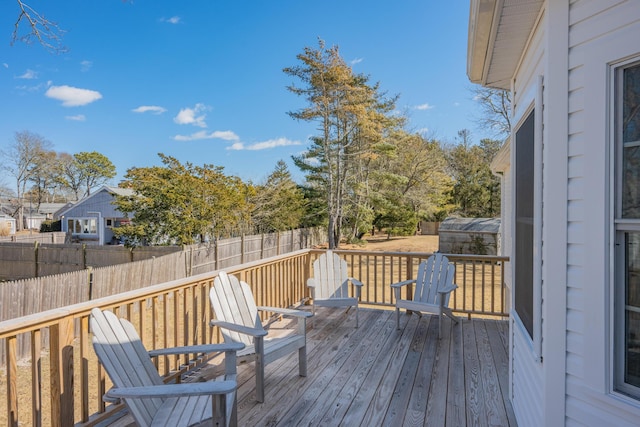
(92, 219)
(572, 205)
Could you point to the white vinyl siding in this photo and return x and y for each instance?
(526, 369)
(600, 33)
(527, 381)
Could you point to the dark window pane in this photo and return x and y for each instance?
(631, 182)
(523, 287)
(631, 105)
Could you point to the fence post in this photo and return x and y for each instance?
(215, 255)
(242, 248)
(291, 245)
(90, 277)
(261, 245)
(35, 256)
(277, 243)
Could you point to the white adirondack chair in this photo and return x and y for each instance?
(136, 381)
(237, 317)
(433, 287)
(330, 284)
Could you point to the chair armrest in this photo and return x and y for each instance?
(355, 281)
(403, 283)
(254, 332)
(447, 289)
(173, 390)
(203, 348)
(286, 311)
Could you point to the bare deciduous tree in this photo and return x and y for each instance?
(495, 109)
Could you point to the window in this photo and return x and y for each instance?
(524, 222)
(626, 307)
(108, 222)
(82, 225)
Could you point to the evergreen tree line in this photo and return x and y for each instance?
(364, 171)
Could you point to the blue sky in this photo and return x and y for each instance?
(202, 81)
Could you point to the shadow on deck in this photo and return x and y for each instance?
(377, 375)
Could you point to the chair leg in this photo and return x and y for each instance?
(397, 318)
(259, 347)
(302, 361)
(220, 409)
(356, 315)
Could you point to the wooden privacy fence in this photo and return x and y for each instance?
(52, 237)
(37, 259)
(62, 384)
(29, 296)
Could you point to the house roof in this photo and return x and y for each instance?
(502, 160)
(478, 225)
(113, 190)
(498, 34)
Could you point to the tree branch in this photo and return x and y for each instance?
(45, 32)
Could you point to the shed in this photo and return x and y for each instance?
(478, 236)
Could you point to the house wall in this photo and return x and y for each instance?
(98, 202)
(601, 33)
(526, 370)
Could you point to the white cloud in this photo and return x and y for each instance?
(77, 118)
(29, 74)
(356, 61)
(154, 109)
(73, 96)
(192, 116)
(265, 145)
(226, 135)
(423, 131)
(85, 66)
(424, 107)
(172, 20)
(5, 65)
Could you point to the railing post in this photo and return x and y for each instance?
(409, 277)
(61, 336)
(36, 379)
(12, 382)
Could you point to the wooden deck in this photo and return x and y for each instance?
(379, 376)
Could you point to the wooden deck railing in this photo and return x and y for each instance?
(62, 383)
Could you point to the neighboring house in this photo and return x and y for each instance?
(571, 211)
(92, 219)
(35, 216)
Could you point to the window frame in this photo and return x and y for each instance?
(620, 228)
(90, 222)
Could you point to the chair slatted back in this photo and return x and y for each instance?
(233, 302)
(119, 349)
(434, 273)
(331, 275)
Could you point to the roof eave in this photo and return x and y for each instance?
(483, 23)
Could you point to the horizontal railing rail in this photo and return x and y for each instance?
(62, 383)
